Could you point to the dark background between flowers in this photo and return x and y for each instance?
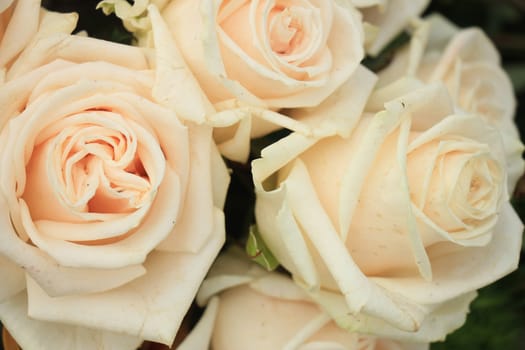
(497, 317)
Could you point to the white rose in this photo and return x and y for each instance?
(249, 308)
(467, 62)
(411, 210)
(110, 199)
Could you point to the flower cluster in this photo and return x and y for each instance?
(383, 196)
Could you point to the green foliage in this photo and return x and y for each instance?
(258, 251)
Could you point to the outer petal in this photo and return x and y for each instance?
(12, 276)
(54, 22)
(34, 334)
(458, 271)
(391, 20)
(175, 86)
(77, 49)
(55, 279)
(21, 27)
(339, 113)
(196, 222)
(359, 293)
(150, 307)
(441, 319)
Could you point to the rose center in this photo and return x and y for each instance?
(456, 183)
(102, 163)
(95, 163)
(288, 27)
(484, 182)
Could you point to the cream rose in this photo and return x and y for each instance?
(275, 53)
(111, 195)
(467, 62)
(255, 57)
(20, 21)
(411, 210)
(249, 308)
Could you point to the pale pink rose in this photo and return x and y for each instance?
(410, 212)
(467, 62)
(271, 53)
(249, 308)
(111, 195)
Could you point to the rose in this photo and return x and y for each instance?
(469, 64)
(275, 53)
(387, 18)
(110, 214)
(285, 54)
(270, 54)
(410, 211)
(249, 308)
(20, 20)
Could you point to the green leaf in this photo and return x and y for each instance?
(258, 251)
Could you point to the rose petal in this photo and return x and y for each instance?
(174, 81)
(237, 148)
(55, 22)
(220, 178)
(195, 223)
(459, 271)
(77, 49)
(339, 113)
(471, 44)
(277, 155)
(441, 319)
(34, 334)
(57, 280)
(200, 336)
(391, 20)
(150, 307)
(359, 293)
(292, 323)
(21, 27)
(278, 293)
(291, 249)
(12, 276)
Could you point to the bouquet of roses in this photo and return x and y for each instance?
(375, 199)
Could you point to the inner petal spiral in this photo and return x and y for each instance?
(93, 163)
(286, 29)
